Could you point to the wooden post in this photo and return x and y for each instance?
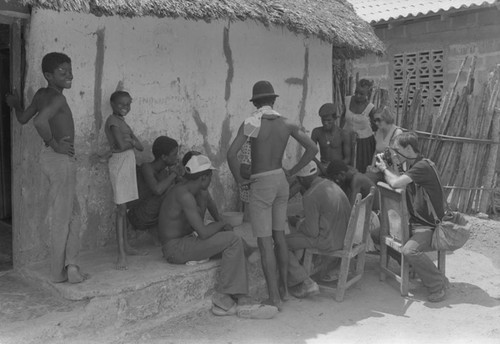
(17, 86)
(495, 136)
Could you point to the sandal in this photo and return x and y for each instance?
(223, 301)
(331, 276)
(257, 311)
(197, 262)
(221, 312)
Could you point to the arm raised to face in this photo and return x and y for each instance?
(305, 141)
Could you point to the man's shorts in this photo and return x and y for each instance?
(268, 202)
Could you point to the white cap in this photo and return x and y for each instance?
(308, 170)
(198, 163)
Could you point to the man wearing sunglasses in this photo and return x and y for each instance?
(422, 186)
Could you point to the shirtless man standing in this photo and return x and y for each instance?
(334, 142)
(54, 123)
(185, 237)
(269, 133)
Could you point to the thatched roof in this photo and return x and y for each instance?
(333, 21)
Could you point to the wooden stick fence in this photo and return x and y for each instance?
(462, 138)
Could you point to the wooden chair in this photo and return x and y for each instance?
(359, 220)
(395, 232)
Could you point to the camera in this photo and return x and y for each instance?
(386, 157)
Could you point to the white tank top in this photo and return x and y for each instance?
(359, 123)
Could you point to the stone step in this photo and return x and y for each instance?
(149, 287)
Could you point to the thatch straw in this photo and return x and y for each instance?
(333, 21)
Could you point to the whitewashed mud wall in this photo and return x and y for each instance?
(189, 80)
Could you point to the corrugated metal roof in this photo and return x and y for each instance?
(385, 10)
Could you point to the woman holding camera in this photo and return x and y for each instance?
(384, 136)
(386, 131)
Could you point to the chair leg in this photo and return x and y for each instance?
(384, 260)
(360, 263)
(405, 276)
(308, 262)
(442, 261)
(341, 284)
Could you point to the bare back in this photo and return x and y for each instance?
(268, 148)
(172, 222)
(61, 119)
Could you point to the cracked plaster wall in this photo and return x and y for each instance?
(189, 80)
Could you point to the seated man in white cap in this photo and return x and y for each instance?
(326, 215)
(185, 237)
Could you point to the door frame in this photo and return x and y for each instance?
(17, 22)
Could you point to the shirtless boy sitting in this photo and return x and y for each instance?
(153, 180)
(54, 123)
(269, 133)
(185, 237)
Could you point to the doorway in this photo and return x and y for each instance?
(5, 153)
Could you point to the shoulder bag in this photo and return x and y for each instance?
(453, 230)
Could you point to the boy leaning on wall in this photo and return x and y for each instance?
(54, 123)
(122, 170)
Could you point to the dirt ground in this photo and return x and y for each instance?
(373, 311)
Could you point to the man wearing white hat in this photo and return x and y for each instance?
(327, 211)
(185, 237)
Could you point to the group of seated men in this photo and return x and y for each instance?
(177, 199)
(405, 168)
(174, 199)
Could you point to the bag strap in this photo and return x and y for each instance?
(434, 168)
(428, 199)
(394, 133)
(437, 220)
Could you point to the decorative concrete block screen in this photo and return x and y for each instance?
(423, 70)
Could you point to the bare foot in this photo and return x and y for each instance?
(135, 252)
(121, 263)
(63, 277)
(60, 280)
(74, 274)
(276, 303)
(285, 295)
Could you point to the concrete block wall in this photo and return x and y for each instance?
(460, 34)
(375, 68)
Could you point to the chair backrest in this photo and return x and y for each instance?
(394, 219)
(359, 219)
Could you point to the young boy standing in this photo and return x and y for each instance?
(54, 123)
(122, 171)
